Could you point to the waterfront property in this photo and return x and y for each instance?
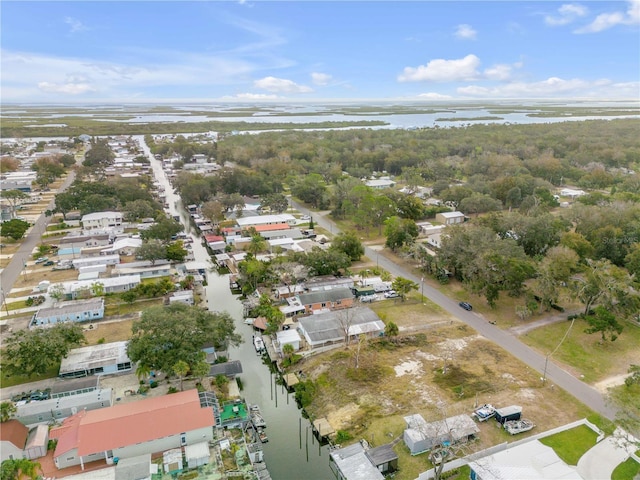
(352, 463)
(100, 359)
(329, 328)
(131, 429)
(420, 436)
(80, 311)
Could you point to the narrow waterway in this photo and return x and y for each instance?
(292, 451)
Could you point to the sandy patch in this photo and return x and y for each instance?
(341, 418)
(603, 385)
(428, 356)
(410, 367)
(453, 344)
(526, 394)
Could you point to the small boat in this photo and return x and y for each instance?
(485, 412)
(518, 426)
(256, 417)
(262, 435)
(258, 343)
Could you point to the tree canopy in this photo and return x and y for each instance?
(165, 335)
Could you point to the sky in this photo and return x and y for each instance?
(306, 51)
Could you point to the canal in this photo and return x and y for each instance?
(292, 451)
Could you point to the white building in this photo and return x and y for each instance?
(380, 183)
(96, 360)
(101, 220)
(246, 222)
(111, 285)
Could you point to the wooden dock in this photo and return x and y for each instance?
(322, 428)
(290, 380)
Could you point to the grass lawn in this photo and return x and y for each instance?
(122, 308)
(626, 470)
(16, 305)
(583, 352)
(108, 332)
(570, 445)
(7, 380)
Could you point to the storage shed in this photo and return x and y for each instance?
(37, 442)
(512, 412)
(197, 454)
(421, 436)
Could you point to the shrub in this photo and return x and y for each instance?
(101, 341)
(172, 389)
(343, 436)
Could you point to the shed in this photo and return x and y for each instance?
(384, 458)
(288, 337)
(352, 463)
(172, 460)
(512, 412)
(361, 291)
(421, 436)
(37, 442)
(228, 369)
(197, 454)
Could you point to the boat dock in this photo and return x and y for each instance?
(322, 428)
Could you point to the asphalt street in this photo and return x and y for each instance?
(553, 374)
(12, 271)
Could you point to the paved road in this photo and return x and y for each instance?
(554, 374)
(12, 271)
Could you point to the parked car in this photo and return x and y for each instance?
(368, 298)
(466, 306)
(48, 263)
(391, 294)
(42, 260)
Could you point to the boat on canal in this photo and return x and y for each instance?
(256, 417)
(258, 343)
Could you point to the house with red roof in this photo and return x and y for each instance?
(13, 437)
(131, 429)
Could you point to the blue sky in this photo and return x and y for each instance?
(149, 51)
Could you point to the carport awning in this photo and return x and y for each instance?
(197, 451)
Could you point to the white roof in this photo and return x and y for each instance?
(287, 336)
(452, 214)
(95, 356)
(196, 451)
(265, 219)
(107, 282)
(125, 243)
(99, 215)
(527, 461)
(379, 182)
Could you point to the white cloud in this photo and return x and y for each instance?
(501, 71)
(250, 96)
(67, 88)
(465, 32)
(320, 78)
(37, 77)
(607, 20)
(75, 24)
(555, 87)
(434, 96)
(568, 13)
(281, 85)
(440, 70)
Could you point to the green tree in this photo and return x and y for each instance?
(164, 230)
(200, 370)
(19, 469)
(311, 189)
(143, 371)
(276, 202)
(7, 411)
(350, 244)
(33, 352)
(604, 322)
(214, 211)
(14, 228)
(391, 330)
(403, 286)
(14, 198)
(138, 209)
(324, 262)
(165, 335)
(256, 245)
(181, 369)
(287, 351)
(175, 251)
(151, 250)
(399, 232)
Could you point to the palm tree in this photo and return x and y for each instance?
(7, 411)
(287, 350)
(143, 371)
(257, 244)
(181, 368)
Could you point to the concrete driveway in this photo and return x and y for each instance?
(600, 461)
